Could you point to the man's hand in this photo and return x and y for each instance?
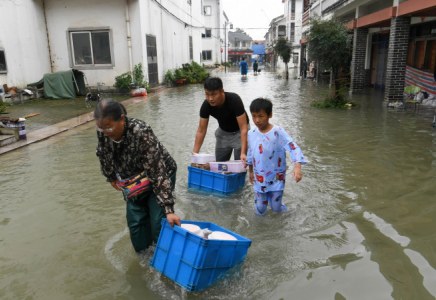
(115, 185)
(173, 219)
(244, 158)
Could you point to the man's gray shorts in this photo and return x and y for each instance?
(226, 142)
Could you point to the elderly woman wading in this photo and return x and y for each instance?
(128, 147)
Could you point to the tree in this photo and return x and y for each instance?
(283, 49)
(239, 30)
(328, 44)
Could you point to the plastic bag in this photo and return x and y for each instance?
(138, 92)
(419, 96)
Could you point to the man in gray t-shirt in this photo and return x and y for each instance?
(228, 109)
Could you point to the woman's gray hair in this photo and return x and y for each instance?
(109, 108)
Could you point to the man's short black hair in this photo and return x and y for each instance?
(259, 104)
(213, 84)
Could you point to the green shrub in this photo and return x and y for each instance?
(179, 74)
(139, 77)
(169, 77)
(124, 81)
(333, 101)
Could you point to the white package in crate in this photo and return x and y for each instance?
(202, 158)
(234, 166)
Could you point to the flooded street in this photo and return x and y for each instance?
(362, 223)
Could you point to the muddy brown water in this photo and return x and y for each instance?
(362, 223)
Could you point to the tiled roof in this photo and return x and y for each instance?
(239, 36)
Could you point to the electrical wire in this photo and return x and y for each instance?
(189, 25)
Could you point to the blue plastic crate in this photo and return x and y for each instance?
(194, 262)
(213, 181)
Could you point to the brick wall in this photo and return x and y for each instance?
(397, 56)
(367, 77)
(358, 62)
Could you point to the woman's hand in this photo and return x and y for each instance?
(115, 185)
(172, 218)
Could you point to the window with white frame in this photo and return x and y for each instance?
(3, 66)
(91, 48)
(208, 10)
(207, 55)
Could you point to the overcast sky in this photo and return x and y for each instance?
(246, 14)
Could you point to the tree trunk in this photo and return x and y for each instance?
(287, 71)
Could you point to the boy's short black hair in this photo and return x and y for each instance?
(213, 84)
(259, 104)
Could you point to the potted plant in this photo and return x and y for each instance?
(169, 78)
(179, 76)
(124, 82)
(192, 78)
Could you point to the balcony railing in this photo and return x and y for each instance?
(306, 17)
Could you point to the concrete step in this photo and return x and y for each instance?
(157, 88)
(7, 139)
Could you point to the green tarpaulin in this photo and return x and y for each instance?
(62, 84)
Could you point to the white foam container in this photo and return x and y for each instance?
(219, 235)
(234, 166)
(202, 158)
(192, 228)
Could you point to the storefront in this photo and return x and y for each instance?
(421, 57)
(237, 56)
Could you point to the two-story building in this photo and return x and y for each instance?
(214, 36)
(294, 18)
(277, 29)
(240, 47)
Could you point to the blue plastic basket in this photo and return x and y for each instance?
(213, 181)
(194, 262)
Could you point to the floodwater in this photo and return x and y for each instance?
(362, 223)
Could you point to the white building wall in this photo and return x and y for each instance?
(27, 46)
(172, 36)
(23, 36)
(213, 21)
(65, 14)
(298, 20)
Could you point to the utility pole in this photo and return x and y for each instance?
(225, 43)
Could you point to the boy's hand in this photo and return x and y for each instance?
(251, 177)
(297, 174)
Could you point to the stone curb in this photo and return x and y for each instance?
(44, 133)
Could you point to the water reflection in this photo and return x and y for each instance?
(367, 194)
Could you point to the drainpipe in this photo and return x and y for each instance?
(129, 42)
(48, 37)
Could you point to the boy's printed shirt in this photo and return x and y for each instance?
(266, 153)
